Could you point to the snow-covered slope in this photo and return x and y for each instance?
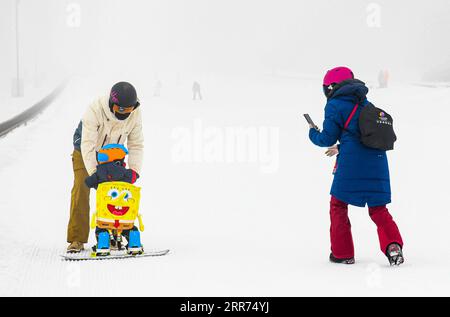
(249, 226)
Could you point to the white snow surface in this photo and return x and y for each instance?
(233, 230)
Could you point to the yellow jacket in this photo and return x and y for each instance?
(101, 127)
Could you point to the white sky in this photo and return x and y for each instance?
(145, 36)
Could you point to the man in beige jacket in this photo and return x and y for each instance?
(111, 119)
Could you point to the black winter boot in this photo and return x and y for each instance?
(341, 261)
(394, 254)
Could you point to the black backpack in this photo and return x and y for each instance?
(376, 127)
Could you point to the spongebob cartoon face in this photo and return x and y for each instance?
(117, 205)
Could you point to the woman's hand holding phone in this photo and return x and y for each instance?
(310, 122)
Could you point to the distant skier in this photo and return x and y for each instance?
(361, 174)
(115, 118)
(383, 78)
(196, 91)
(158, 87)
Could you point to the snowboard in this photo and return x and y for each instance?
(88, 255)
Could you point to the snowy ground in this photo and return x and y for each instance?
(254, 227)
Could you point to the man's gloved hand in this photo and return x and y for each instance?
(91, 181)
(134, 176)
(130, 176)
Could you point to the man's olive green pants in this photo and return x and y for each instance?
(78, 228)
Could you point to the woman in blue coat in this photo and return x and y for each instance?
(361, 174)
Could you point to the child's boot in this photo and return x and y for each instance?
(134, 243)
(102, 248)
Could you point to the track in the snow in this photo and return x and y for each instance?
(30, 113)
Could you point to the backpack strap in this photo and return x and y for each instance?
(350, 117)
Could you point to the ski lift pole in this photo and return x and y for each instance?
(18, 86)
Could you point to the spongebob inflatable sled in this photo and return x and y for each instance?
(117, 208)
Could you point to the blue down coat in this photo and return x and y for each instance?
(362, 173)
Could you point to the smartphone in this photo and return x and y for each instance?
(309, 120)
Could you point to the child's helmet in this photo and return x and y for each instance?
(111, 152)
(335, 76)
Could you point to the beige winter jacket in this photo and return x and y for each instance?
(101, 127)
